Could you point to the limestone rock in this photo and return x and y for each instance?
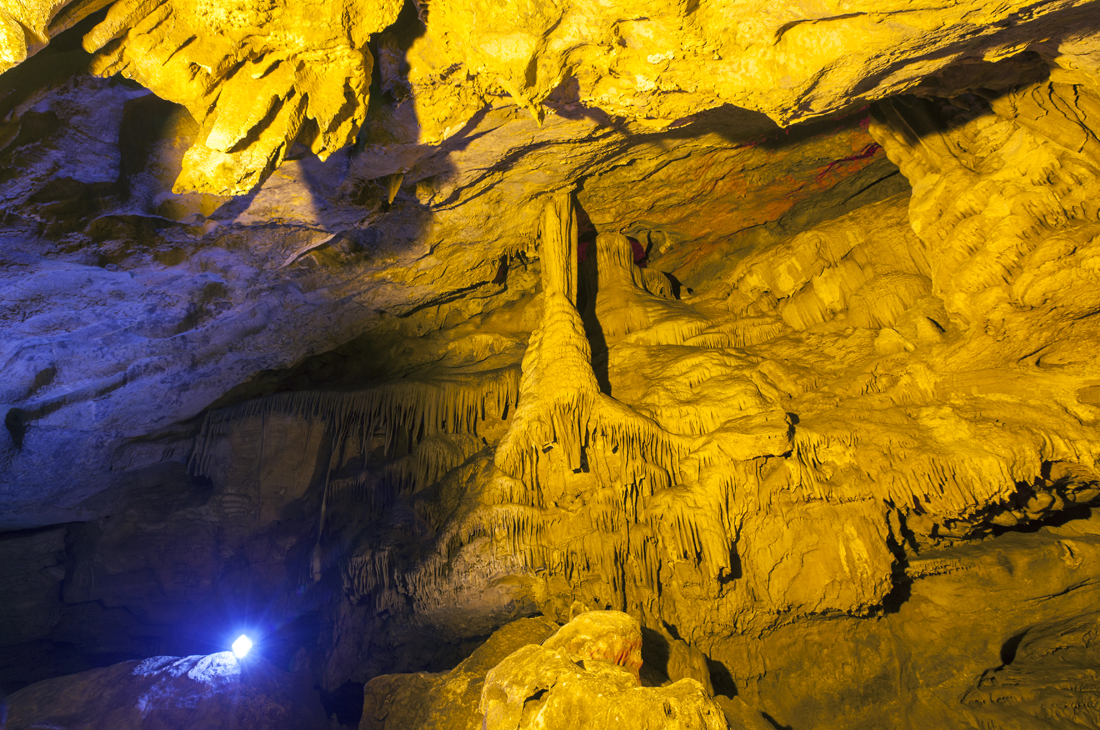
(547, 691)
(269, 72)
(669, 659)
(536, 687)
(600, 636)
(32, 574)
(754, 387)
(448, 700)
(1048, 676)
(673, 60)
(274, 73)
(561, 399)
(26, 27)
(343, 263)
(584, 674)
(947, 657)
(216, 690)
(740, 715)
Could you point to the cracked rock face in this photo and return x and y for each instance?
(258, 76)
(385, 329)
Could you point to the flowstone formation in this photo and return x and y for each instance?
(774, 448)
(794, 441)
(561, 403)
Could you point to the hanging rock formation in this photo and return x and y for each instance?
(561, 403)
(259, 77)
(406, 328)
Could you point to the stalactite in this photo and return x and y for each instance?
(453, 405)
(727, 431)
(433, 457)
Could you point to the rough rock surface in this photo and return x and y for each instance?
(536, 688)
(947, 656)
(166, 693)
(586, 675)
(446, 699)
(533, 673)
(197, 305)
(257, 77)
(600, 636)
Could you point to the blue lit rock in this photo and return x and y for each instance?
(169, 693)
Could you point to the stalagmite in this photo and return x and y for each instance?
(560, 403)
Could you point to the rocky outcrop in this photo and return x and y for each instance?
(255, 78)
(536, 688)
(259, 77)
(945, 655)
(586, 675)
(216, 690)
(447, 699)
(532, 673)
(26, 28)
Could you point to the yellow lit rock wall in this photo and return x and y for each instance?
(255, 76)
(258, 76)
(788, 441)
(778, 445)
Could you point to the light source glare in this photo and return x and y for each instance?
(242, 646)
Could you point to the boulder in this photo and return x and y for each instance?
(540, 688)
(602, 636)
(534, 674)
(586, 676)
(446, 699)
(171, 693)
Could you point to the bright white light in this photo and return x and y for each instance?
(242, 646)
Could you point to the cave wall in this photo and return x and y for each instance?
(468, 328)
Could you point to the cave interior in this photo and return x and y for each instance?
(679, 364)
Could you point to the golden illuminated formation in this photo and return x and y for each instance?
(623, 361)
(259, 75)
(256, 77)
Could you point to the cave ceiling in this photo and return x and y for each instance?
(747, 319)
